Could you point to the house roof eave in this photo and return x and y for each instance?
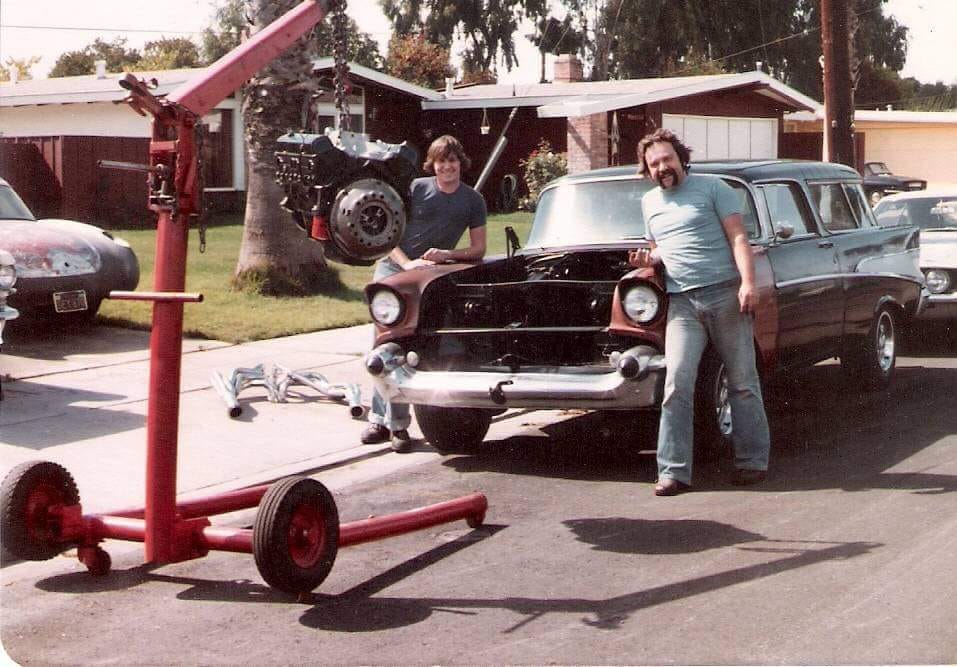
(762, 83)
(380, 78)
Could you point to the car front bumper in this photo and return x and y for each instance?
(633, 380)
(937, 307)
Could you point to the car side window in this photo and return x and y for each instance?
(785, 207)
(833, 208)
(891, 214)
(749, 215)
(863, 211)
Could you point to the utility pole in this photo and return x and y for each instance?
(838, 94)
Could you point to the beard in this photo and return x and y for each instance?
(664, 173)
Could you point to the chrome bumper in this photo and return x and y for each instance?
(634, 380)
(937, 306)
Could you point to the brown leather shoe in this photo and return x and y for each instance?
(667, 486)
(374, 434)
(747, 477)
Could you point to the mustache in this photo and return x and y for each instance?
(666, 172)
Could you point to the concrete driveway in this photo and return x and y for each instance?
(844, 556)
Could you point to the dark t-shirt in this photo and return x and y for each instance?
(439, 219)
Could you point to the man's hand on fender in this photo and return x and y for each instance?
(643, 257)
(417, 263)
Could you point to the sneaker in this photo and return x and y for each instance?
(401, 442)
(374, 434)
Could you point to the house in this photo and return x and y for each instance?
(919, 144)
(54, 132)
(79, 120)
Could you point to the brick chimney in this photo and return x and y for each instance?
(568, 69)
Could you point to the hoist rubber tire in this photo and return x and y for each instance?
(296, 534)
(30, 496)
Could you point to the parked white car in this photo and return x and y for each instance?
(8, 278)
(935, 212)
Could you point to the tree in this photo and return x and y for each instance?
(555, 37)
(21, 65)
(486, 26)
(118, 58)
(169, 53)
(275, 257)
(227, 33)
(416, 60)
(644, 38)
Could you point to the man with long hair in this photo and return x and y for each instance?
(694, 228)
(443, 207)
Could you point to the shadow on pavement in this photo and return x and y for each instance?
(659, 537)
(37, 339)
(356, 613)
(824, 435)
(27, 405)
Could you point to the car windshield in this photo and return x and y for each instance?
(598, 212)
(876, 168)
(11, 206)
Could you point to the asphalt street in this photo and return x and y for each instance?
(846, 554)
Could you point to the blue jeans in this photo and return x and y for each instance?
(694, 318)
(394, 416)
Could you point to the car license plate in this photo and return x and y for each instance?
(69, 302)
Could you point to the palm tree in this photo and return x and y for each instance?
(275, 256)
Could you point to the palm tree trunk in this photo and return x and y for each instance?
(272, 244)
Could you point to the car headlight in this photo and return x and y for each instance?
(386, 307)
(8, 271)
(641, 303)
(937, 281)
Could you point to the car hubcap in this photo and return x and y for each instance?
(722, 403)
(885, 342)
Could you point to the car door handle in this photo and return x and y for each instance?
(825, 244)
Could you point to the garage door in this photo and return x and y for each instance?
(721, 138)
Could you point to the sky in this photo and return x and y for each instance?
(930, 55)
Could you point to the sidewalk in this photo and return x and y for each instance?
(85, 408)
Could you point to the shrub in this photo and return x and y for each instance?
(542, 166)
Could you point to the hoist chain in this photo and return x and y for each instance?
(340, 51)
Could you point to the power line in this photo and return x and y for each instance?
(77, 28)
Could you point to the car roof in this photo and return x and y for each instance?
(748, 170)
(933, 193)
(3, 182)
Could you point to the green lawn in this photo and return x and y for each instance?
(236, 316)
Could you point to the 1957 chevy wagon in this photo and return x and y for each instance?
(566, 323)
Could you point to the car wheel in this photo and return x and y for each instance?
(712, 414)
(869, 361)
(453, 430)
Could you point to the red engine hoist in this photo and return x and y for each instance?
(296, 533)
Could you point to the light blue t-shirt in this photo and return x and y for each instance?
(685, 224)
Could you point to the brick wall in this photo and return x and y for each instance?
(587, 142)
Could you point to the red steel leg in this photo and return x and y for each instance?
(162, 422)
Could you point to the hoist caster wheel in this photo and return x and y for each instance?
(32, 497)
(97, 561)
(296, 534)
(476, 521)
